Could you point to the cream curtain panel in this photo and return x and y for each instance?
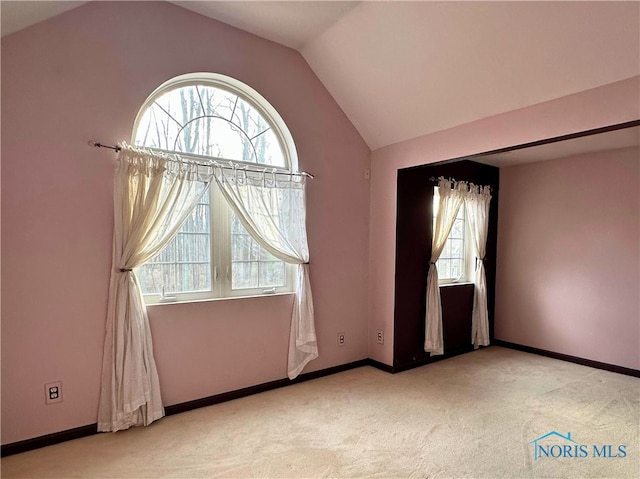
(476, 204)
(153, 195)
(451, 198)
(272, 208)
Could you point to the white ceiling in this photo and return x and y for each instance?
(404, 69)
(400, 70)
(290, 23)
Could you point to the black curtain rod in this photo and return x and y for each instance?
(100, 145)
(116, 148)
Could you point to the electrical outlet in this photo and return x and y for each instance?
(380, 336)
(53, 392)
(340, 339)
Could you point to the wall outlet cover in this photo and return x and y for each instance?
(53, 392)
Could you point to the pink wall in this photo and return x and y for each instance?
(83, 75)
(568, 256)
(610, 104)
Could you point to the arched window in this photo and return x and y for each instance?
(212, 117)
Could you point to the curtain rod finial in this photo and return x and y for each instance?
(97, 144)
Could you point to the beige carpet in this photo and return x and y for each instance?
(469, 416)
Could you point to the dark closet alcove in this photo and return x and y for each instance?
(413, 251)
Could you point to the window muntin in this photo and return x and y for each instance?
(215, 117)
(212, 122)
(451, 264)
(253, 266)
(185, 264)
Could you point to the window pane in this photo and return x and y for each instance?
(268, 150)
(266, 256)
(244, 275)
(151, 278)
(244, 248)
(446, 251)
(157, 129)
(192, 247)
(451, 262)
(213, 136)
(249, 119)
(198, 221)
(456, 248)
(168, 255)
(181, 104)
(207, 120)
(252, 266)
(217, 102)
(193, 277)
(458, 229)
(444, 269)
(456, 268)
(272, 274)
(185, 264)
(236, 226)
(168, 278)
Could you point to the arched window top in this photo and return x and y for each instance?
(215, 116)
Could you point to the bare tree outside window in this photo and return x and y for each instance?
(208, 121)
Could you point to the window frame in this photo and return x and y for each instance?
(220, 237)
(467, 253)
(235, 87)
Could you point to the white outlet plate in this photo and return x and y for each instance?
(341, 339)
(380, 336)
(53, 392)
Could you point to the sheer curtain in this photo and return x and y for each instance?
(153, 195)
(477, 207)
(451, 199)
(272, 208)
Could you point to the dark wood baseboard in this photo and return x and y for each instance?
(84, 431)
(89, 430)
(398, 368)
(259, 388)
(48, 440)
(572, 359)
(378, 365)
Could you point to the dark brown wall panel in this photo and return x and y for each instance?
(413, 250)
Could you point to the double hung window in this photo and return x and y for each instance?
(213, 118)
(452, 264)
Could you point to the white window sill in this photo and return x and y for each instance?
(207, 300)
(459, 283)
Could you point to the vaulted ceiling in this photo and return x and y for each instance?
(400, 70)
